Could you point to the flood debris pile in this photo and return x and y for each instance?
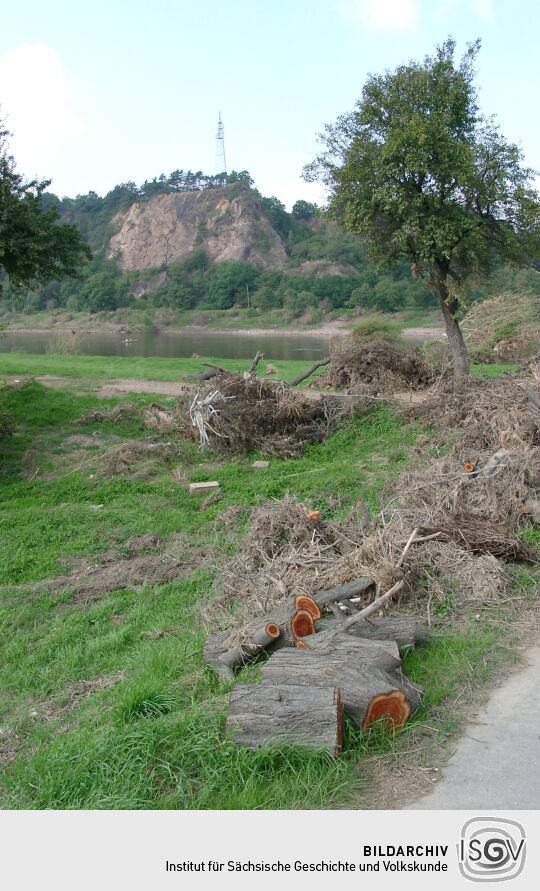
(375, 368)
(243, 414)
(504, 328)
(136, 458)
(113, 414)
(302, 593)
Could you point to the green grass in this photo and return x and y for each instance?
(138, 367)
(155, 738)
(490, 371)
(151, 368)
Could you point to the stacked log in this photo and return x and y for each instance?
(319, 667)
(277, 714)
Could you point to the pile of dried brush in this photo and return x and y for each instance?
(504, 328)
(243, 414)
(375, 368)
(136, 458)
(287, 549)
(122, 411)
(466, 506)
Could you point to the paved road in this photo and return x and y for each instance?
(497, 762)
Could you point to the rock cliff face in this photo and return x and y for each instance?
(227, 223)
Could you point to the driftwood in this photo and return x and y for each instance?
(305, 374)
(278, 714)
(405, 630)
(359, 682)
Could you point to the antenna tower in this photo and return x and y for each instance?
(221, 164)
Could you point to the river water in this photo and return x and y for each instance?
(171, 344)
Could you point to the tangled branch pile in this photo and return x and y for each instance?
(135, 457)
(377, 368)
(245, 414)
(446, 531)
(122, 411)
(466, 505)
(504, 328)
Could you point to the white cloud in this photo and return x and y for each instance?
(38, 107)
(391, 15)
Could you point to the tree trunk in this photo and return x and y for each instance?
(278, 714)
(460, 357)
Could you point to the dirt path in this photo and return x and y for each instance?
(122, 386)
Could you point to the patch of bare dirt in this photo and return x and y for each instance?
(90, 582)
(135, 385)
(139, 544)
(10, 745)
(60, 706)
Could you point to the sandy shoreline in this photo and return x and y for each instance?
(328, 331)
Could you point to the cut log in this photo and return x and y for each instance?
(308, 372)
(382, 653)
(282, 615)
(280, 714)
(214, 647)
(405, 630)
(307, 603)
(390, 709)
(359, 586)
(359, 683)
(240, 655)
(302, 624)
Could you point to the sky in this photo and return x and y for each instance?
(102, 93)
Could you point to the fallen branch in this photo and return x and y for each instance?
(214, 371)
(305, 374)
(256, 359)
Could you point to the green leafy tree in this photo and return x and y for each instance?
(34, 245)
(303, 210)
(421, 174)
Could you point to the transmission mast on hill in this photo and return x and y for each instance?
(221, 164)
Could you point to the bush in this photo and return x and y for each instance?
(375, 327)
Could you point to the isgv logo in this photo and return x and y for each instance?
(491, 849)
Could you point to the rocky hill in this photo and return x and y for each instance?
(227, 223)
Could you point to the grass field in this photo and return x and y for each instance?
(156, 368)
(108, 704)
